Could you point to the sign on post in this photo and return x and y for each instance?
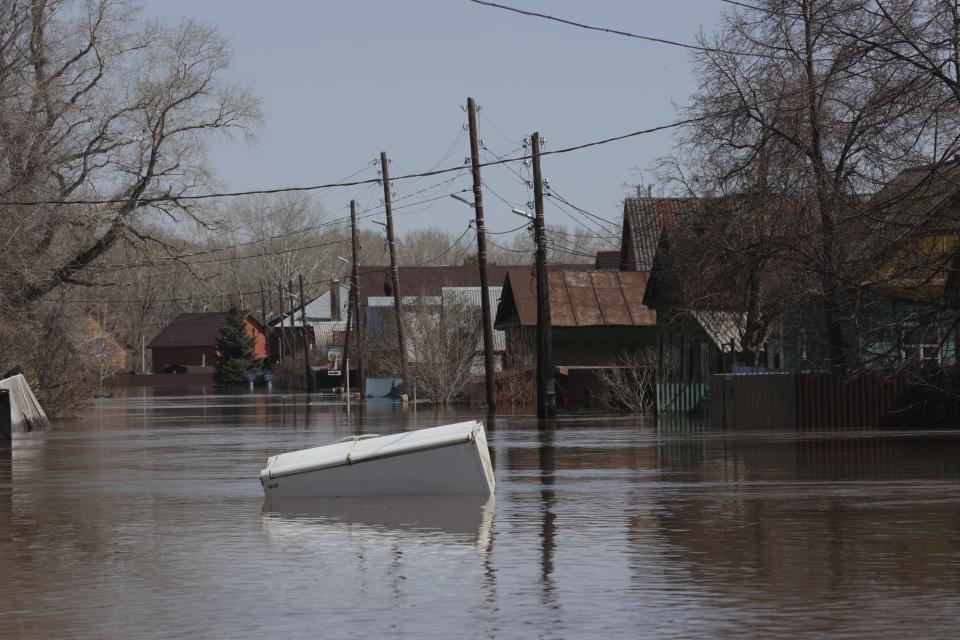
(334, 360)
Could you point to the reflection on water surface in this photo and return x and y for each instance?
(145, 518)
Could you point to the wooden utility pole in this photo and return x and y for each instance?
(263, 302)
(345, 365)
(280, 335)
(306, 346)
(394, 271)
(355, 293)
(546, 396)
(263, 311)
(293, 320)
(489, 373)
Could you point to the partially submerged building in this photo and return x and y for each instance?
(326, 322)
(595, 317)
(188, 343)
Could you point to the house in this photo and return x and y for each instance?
(700, 327)
(437, 286)
(909, 290)
(742, 312)
(188, 343)
(595, 317)
(326, 321)
(434, 287)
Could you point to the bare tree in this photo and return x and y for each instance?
(516, 383)
(97, 105)
(97, 339)
(442, 337)
(104, 123)
(426, 246)
(55, 367)
(800, 123)
(628, 382)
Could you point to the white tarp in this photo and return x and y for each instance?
(26, 414)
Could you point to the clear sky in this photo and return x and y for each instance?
(341, 81)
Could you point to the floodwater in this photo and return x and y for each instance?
(145, 518)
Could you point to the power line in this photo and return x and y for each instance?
(364, 215)
(575, 234)
(568, 250)
(331, 185)
(432, 261)
(673, 43)
(221, 294)
(494, 127)
(750, 6)
(498, 196)
(508, 231)
(557, 196)
(503, 248)
(591, 231)
(251, 256)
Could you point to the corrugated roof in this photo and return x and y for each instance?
(725, 328)
(578, 299)
(194, 330)
(644, 220)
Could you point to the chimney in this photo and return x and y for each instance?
(335, 300)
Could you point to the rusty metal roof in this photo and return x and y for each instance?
(577, 299)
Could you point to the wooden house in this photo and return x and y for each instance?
(595, 317)
(188, 343)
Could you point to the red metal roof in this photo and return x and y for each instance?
(578, 299)
(194, 330)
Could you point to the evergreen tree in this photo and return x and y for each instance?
(236, 351)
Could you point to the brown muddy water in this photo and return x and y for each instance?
(145, 518)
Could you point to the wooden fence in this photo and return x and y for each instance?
(807, 401)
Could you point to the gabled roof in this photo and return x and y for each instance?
(644, 220)
(318, 310)
(577, 299)
(724, 328)
(918, 196)
(195, 330)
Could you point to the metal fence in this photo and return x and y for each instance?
(809, 401)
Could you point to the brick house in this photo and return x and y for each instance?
(188, 343)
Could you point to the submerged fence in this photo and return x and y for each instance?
(808, 401)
